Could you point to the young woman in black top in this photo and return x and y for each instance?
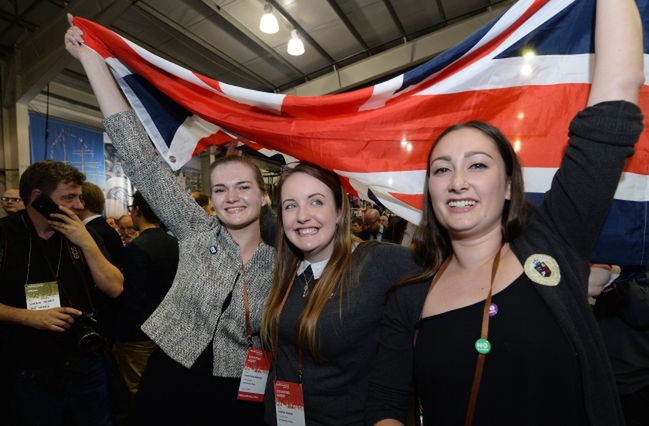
(498, 325)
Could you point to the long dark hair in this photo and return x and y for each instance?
(432, 242)
(334, 277)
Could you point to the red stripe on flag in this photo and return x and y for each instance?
(315, 107)
(413, 200)
(218, 138)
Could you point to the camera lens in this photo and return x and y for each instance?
(88, 339)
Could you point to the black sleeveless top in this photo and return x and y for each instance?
(529, 352)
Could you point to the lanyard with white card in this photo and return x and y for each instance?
(255, 370)
(45, 295)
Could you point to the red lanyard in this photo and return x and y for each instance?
(246, 304)
(482, 345)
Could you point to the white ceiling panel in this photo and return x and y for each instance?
(417, 15)
(372, 19)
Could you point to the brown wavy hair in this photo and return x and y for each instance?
(432, 242)
(335, 276)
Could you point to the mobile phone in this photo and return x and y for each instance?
(45, 206)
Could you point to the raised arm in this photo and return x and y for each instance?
(618, 72)
(603, 135)
(175, 208)
(108, 95)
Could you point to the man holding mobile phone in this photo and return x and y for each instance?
(52, 276)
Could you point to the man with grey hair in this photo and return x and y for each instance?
(11, 202)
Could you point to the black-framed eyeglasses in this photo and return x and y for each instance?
(10, 199)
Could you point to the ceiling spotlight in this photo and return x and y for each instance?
(295, 45)
(268, 23)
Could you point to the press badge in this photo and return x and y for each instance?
(289, 404)
(254, 376)
(41, 296)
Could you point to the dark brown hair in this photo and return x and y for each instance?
(334, 277)
(46, 176)
(432, 242)
(140, 202)
(93, 198)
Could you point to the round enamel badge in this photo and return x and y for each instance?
(543, 269)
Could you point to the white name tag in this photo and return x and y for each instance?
(41, 296)
(289, 404)
(254, 376)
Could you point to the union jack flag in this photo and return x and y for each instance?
(527, 72)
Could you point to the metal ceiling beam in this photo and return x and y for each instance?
(302, 31)
(442, 12)
(41, 56)
(145, 8)
(398, 58)
(252, 37)
(395, 18)
(17, 20)
(350, 27)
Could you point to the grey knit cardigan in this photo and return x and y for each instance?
(209, 267)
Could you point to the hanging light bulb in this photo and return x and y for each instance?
(295, 45)
(268, 23)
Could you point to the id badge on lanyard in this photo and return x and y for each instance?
(289, 404)
(41, 296)
(254, 376)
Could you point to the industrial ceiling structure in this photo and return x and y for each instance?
(347, 44)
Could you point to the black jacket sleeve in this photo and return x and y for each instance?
(390, 386)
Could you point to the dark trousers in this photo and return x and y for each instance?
(171, 394)
(71, 395)
(636, 407)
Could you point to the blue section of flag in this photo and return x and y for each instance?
(166, 114)
(275, 158)
(570, 32)
(623, 237)
(437, 64)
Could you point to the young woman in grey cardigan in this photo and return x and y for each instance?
(200, 327)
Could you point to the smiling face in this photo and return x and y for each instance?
(468, 184)
(236, 196)
(309, 216)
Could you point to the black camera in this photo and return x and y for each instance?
(85, 329)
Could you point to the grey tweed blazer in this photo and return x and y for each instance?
(209, 268)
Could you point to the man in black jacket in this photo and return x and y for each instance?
(91, 215)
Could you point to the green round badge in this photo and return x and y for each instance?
(483, 346)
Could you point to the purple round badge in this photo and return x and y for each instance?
(493, 310)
